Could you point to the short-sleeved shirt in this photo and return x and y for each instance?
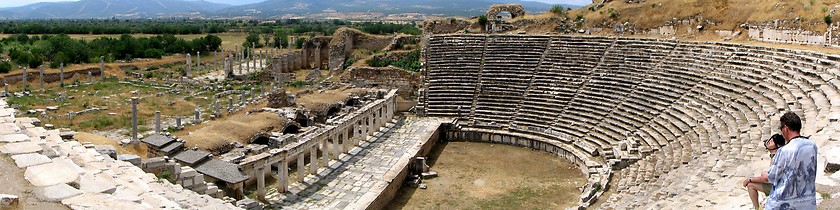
(793, 175)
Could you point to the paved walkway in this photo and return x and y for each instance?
(358, 178)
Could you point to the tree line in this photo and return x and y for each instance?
(112, 27)
(56, 49)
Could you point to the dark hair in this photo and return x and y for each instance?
(779, 140)
(791, 120)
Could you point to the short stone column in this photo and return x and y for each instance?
(134, 118)
(283, 175)
(157, 122)
(24, 79)
(239, 58)
(336, 146)
(218, 109)
(198, 61)
(189, 66)
(228, 68)
(346, 142)
(230, 104)
(259, 169)
(197, 116)
(313, 160)
(301, 168)
(90, 77)
(178, 122)
(371, 127)
(101, 67)
(325, 156)
(61, 74)
(41, 77)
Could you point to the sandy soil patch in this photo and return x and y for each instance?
(491, 176)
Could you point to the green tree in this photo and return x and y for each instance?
(253, 40)
(5, 67)
(299, 42)
(558, 10)
(482, 20)
(827, 19)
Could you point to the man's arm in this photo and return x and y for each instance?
(761, 178)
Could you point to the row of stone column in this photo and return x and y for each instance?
(331, 145)
(61, 76)
(253, 60)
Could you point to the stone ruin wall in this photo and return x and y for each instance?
(345, 40)
(407, 83)
(330, 51)
(33, 74)
(788, 36)
(444, 26)
(515, 10)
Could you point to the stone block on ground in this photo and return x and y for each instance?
(55, 193)
(247, 203)
(97, 184)
(430, 174)
(57, 172)
(8, 128)
(98, 201)
(133, 159)
(832, 160)
(8, 201)
(12, 138)
(26, 160)
(20, 148)
(107, 150)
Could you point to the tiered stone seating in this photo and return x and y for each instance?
(507, 69)
(453, 69)
(566, 65)
(697, 111)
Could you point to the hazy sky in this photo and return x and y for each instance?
(15, 3)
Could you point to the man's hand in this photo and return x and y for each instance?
(747, 181)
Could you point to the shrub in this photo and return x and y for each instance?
(558, 10)
(827, 19)
(482, 20)
(5, 67)
(153, 53)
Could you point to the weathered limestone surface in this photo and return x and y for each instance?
(30, 159)
(56, 192)
(86, 176)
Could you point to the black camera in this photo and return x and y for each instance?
(777, 139)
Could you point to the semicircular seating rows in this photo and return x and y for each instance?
(673, 119)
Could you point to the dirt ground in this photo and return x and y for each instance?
(240, 127)
(492, 176)
(135, 149)
(12, 182)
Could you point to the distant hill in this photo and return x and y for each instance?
(271, 8)
(110, 8)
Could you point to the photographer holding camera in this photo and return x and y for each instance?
(772, 144)
(793, 172)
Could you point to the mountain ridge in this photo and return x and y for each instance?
(128, 9)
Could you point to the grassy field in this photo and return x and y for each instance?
(730, 13)
(113, 100)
